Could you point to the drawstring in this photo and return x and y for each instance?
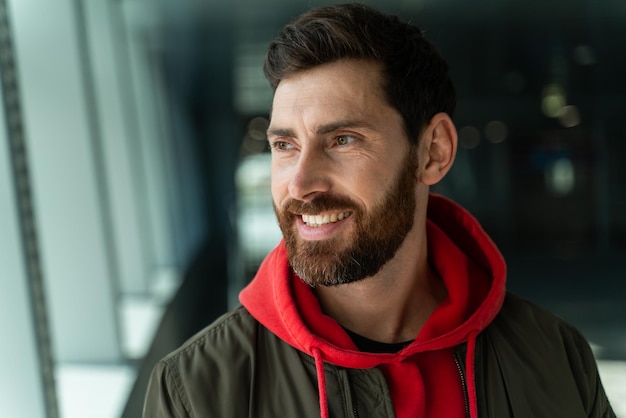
(471, 383)
(321, 382)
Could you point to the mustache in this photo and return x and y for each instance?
(319, 204)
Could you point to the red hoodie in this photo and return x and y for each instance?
(423, 378)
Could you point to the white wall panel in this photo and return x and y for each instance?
(79, 277)
(21, 384)
(118, 146)
(153, 163)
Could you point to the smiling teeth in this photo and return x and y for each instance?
(318, 220)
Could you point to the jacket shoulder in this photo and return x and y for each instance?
(520, 310)
(202, 376)
(535, 330)
(537, 355)
(234, 329)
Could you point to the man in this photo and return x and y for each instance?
(382, 300)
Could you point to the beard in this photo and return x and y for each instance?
(376, 238)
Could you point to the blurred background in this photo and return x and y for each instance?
(134, 187)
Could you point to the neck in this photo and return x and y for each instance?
(393, 305)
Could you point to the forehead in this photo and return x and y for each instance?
(342, 89)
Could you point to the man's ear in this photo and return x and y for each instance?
(438, 145)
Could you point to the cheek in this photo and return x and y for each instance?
(374, 178)
(275, 190)
(278, 186)
(364, 190)
(374, 184)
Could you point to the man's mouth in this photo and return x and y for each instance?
(314, 221)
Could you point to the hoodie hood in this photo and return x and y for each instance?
(278, 299)
(469, 263)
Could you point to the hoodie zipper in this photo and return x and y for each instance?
(348, 393)
(353, 398)
(356, 413)
(463, 384)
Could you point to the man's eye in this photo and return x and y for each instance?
(345, 139)
(281, 145)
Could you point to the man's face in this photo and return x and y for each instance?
(343, 173)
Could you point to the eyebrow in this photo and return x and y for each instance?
(323, 129)
(280, 132)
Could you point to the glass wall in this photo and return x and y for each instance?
(101, 201)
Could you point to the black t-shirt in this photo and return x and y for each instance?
(370, 346)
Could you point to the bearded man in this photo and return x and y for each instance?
(383, 300)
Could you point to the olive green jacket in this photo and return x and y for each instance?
(527, 363)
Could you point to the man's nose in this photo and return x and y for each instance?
(311, 175)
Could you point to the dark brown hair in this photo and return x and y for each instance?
(416, 80)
